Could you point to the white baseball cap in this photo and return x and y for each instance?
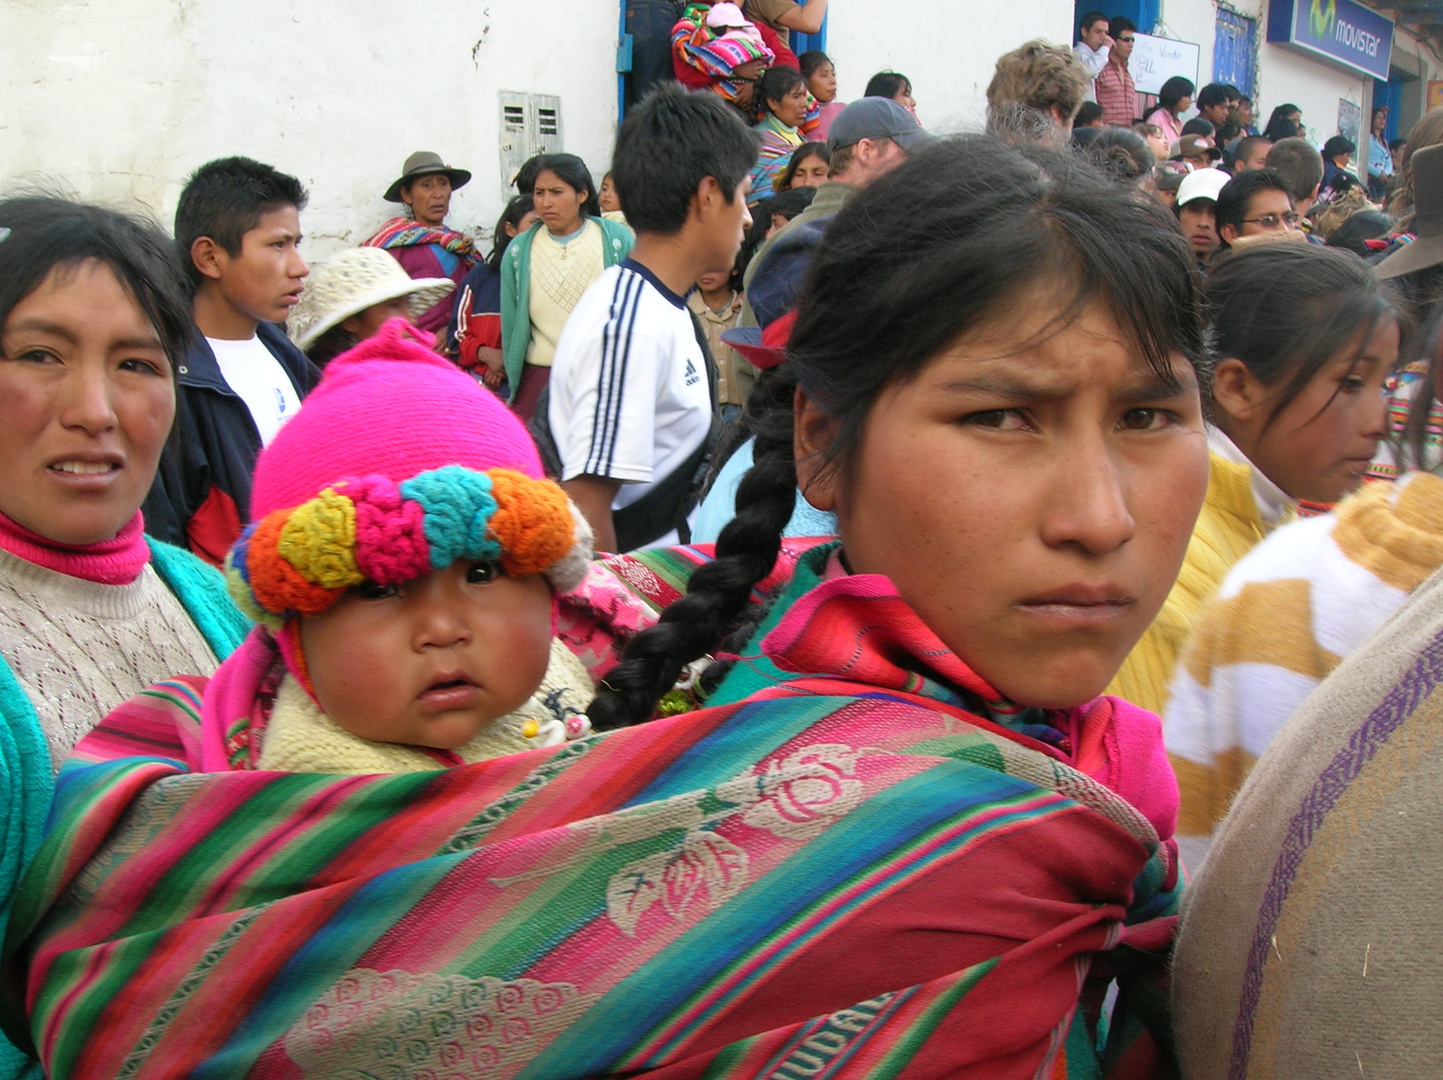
(1202, 184)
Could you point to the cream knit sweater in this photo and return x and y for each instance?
(301, 738)
(560, 273)
(79, 649)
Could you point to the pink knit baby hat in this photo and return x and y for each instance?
(397, 466)
(393, 407)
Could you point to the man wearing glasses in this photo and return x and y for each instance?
(1252, 203)
(1115, 90)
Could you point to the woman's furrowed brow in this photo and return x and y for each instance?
(1148, 389)
(1008, 388)
(1154, 389)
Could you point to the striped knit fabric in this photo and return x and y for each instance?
(1285, 617)
(870, 884)
(778, 143)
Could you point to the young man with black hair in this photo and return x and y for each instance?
(237, 229)
(1252, 203)
(632, 394)
(1215, 101)
(1093, 47)
(1245, 115)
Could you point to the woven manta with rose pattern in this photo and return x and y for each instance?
(798, 885)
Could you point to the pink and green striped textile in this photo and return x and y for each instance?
(779, 888)
(861, 882)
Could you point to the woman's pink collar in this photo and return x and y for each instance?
(110, 562)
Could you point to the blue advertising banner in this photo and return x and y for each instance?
(1339, 32)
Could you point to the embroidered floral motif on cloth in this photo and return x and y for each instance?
(767, 886)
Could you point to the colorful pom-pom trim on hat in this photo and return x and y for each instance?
(300, 560)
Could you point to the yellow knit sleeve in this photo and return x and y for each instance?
(1227, 529)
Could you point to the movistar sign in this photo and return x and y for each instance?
(1339, 32)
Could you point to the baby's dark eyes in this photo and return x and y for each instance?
(374, 590)
(482, 573)
(477, 573)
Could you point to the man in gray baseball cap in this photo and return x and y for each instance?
(876, 118)
(869, 138)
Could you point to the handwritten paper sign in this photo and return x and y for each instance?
(1154, 60)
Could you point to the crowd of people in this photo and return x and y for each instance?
(813, 603)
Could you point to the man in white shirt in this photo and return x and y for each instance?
(631, 396)
(238, 229)
(1094, 48)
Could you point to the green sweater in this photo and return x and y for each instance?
(26, 780)
(617, 240)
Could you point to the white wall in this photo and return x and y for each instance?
(948, 48)
(117, 98)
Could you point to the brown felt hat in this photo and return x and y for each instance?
(424, 163)
(1427, 247)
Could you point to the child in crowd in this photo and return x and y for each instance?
(809, 166)
(717, 304)
(610, 204)
(1291, 611)
(349, 297)
(238, 232)
(1306, 336)
(708, 55)
(821, 76)
(403, 564)
(632, 398)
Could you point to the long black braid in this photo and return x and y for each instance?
(719, 593)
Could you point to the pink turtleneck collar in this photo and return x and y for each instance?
(110, 562)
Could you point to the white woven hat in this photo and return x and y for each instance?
(350, 283)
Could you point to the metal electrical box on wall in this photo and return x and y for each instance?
(530, 125)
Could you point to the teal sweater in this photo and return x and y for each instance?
(26, 780)
(616, 241)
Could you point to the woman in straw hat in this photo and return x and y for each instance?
(419, 239)
(349, 297)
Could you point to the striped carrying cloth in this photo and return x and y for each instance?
(862, 883)
(406, 232)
